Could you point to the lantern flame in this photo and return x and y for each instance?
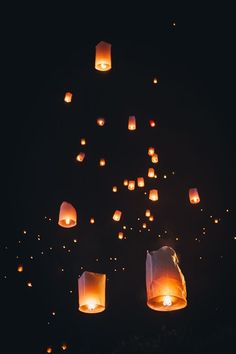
(167, 301)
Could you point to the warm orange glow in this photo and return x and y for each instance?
(49, 350)
(68, 97)
(140, 182)
(151, 172)
(82, 141)
(151, 218)
(152, 123)
(29, 284)
(155, 158)
(103, 56)
(92, 221)
(144, 225)
(194, 196)
(120, 235)
(64, 346)
(147, 213)
(151, 151)
(20, 268)
(117, 215)
(92, 292)
(126, 182)
(131, 185)
(67, 215)
(114, 189)
(165, 283)
(101, 122)
(155, 81)
(132, 123)
(153, 195)
(102, 162)
(80, 157)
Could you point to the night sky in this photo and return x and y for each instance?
(49, 51)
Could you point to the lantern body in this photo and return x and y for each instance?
(20, 268)
(152, 123)
(131, 185)
(153, 195)
(147, 213)
(155, 81)
(165, 283)
(80, 157)
(92, 221)
(82, 141)
(92, 292)
(101, 122)
(151, 218)
(117, 215)
(126, 182)
(68, 97)
(114, 189)
(132, 123)
(151, 151)
(151, 172)
(102, 162)
(67, 215)
(103, 56)
(140, 182)
(155, 158)
(120, 235)
(194, 196)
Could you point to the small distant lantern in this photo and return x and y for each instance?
(82, 141)
(152, 123)
(194, 196)
(49, 350)
(147, 213)
(92, 292)
(151, 151)
(165, 283)
(151, 172)
(144, 225)
(151, 218)
(126, 182)
(102, 162)
(20, 268)
(92, 221)
(103, 56)
(132, 123)
(140, 182)
(64, 346)
(117, 215)
(153, 195)
(80, 157)
(120, 235)
(101, 122)
(155, 81)
(155, 158)
(68, 97)
(114, 189)
(67, 215)
(131, 185)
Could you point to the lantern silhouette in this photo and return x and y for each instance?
(92, 292)
(194, 196)
(103, 56)
(140, 182)
(152, 123)
(102, 162)
(151, 151)
(101, 122)
(117, 215)
(131, 185)
(155, 158)
(67, 215)
(80, 157)
(132, 123)
(82, 141)
(165, 283)
(151, 172)
(68, 97)
(153, 195)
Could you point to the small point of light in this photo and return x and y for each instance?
(20, 268)
(124, 227)
(91, 305)
(53, 313)
(155, 81)
(75, 241)
(165, 176)
(216, 221)
(29, 284)
(24, 232)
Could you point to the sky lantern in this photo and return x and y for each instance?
(63, 346)
(147, 213)
(140, 182)
(193, 196)
(68, 97)
(155, 81)
(151, 151)
(92, 292)
(114, 189)
(102, 162)
(152, 123)
(101, 122)
(131, 123)
(120, 235)
(165, 283)
(103, 56)
(151, 218)
(155, 158)
(92, 221)
(126, 182)
(131, 185)
(117, 215)
(80, 157)
(83, 141)
(49, 350)
(153, 195)
(67, 215)
(151, 172)
(20, 268)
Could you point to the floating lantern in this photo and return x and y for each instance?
(101, 122)
(155, 81)
(82, 141)
(151, 172)
(49, 350)
(152, 123)
(132, 123)
(131, 185)
(165, 283)
(194, 196)
(126, 182)
(114, 189)
(140, 182)
(151, 151)
(153, 195)
(92, 292)
(144, 225)
(155, 158)
(92, 221)
(147, 213)
(102, 162)
(120, 235)
(117, 215)
(151, 218)
(80, 157)
(64, 346)
(20, 268)
(103, 56)
(68, 97)
(67, 215)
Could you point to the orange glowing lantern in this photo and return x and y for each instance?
(140, 182)
(67, 215)
(102, 162)
(131, 185)
(92, 292)
(151, 151)
(151, 218)
(114, 189)
(155, 158)
(64, 346)
(117, 215)
(152, 123)
(101, 122)
(144, 225)
(82, 141)
(194, 196)
(120, 235)
(92, 221)
(132, 123)
(68, 97)
(147, 213)
(126, 182)
(80, 157)
(155, 81)
(103, 56)
(49, 350)
(165, 283)
(153, 195)
(151, 172)
(20, 268)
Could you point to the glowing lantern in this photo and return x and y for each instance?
(80, 157)
(103, 56)
(194, 196)
(151, 151)
(20, 268)
(151, 218)
(114, 189)
(153, 195)
(126, 182)
(152, 123)
(147, 213)
(101, 122)
(131, 123)
(155, 81)
(67, 215)
(92, 221)
(102, 162)
(117, 215)
(144, 225)
(151, 172)
(120, 235)
(155, 158)
(82, 141)
(131, 185)
(165, 283)
(92, 292)
(140, 182)
(49, 350)
(64, 346)
(68, 97)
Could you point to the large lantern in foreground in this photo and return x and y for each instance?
(132, 123)
(103, 56)
(194, 196)
(67, 215)
(91, 291)
(165, 283)
(153, 195)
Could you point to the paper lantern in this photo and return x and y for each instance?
(151, 218)
(117, 215)
(132, 123)
(153, 195)
(92, 221)
(147, 213)
(152, 123)
(151, 172)
(80, 157)
(144, 225)
(68, 97)
(155, 81)
(67, 215)
(49, 350)
(102, 162)
(131, 185)
(101, 122)
(155, 158)
(165, 283)
(194, 196)
(114, 189)
(126, 182)
(103, 56)
(20, 268)
(120, 235)
(82, 141)
(151, 151)
(92, 292)
(63, 346)
(140, 182)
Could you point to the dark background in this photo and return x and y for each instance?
(47, 51)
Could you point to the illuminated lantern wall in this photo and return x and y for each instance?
(80, 157)
(117, 215)
(153, 195)
(101, 122)
(103, 56)
(132, 123)
(67, 215)
(155, 158)
(151, 172)
(68, 97)
(151, 151)
(92, 287)
(165, 283)
(131, 185)
(140, 182)
(102, 162)
(194, 196)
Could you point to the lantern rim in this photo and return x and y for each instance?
(156, 303)
(98, 308)
(62, 222)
